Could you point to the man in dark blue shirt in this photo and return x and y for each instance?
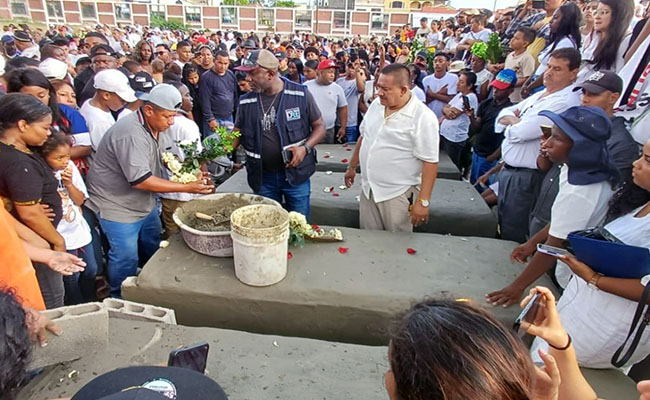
(218, 92)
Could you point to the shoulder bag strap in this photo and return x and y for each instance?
(639, 326)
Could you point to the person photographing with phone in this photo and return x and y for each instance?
(280, 125)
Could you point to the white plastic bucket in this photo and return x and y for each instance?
(260, 236)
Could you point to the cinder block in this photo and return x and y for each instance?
(85, 331)
(124, 309)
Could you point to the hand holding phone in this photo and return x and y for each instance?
(546, 131)
(552, 250)
(529, 312)
(194, 357)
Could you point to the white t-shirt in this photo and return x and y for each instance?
(328, 99)
(597, 321)
(545, 54)
(483, 35)
(168, 142)
(351, 91)
(98, 121)
(434, 39)
(457, 130)
(394, 148)
(369, 92)
(587, 69)
(481, 77)
(451, 43)
(419, 93)
(73, 227)
(576, 208)
(435, 84)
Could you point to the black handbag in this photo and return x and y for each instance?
(638, 327)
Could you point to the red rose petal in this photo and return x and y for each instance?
(315, 227)
(411, 251)
(289, 256)
(345, 145)
(349, 149)
(326, 156)
(335, 194)
(331, 188)
(344, 160)
(343, 250)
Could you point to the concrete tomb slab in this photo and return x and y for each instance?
(456, 207)
(250, 366)
(331, 156)
(329, 294)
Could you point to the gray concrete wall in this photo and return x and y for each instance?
(327, 295)
(331, 156)
(456, 207)
(252, 367)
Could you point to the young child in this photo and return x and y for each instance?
(80, 287)
(520, 60)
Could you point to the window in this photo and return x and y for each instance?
(397, 4)
(415, 5)
(303, 19)
(88, 11)
(265, 18)
(157, 11)
(123, 12)
(341, 20)
(19, 8)
(229, 15)
(193, 15)
(378, 21)
(54, 9)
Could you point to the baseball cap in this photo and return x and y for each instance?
(53, 68)
(601, 81)
(102, 49)
(249, 44)
(164, 96)
(22, 36)
(113, 81)
(423, 54)
(505, 79)
(582, 122)
(457, 66)
(325, 64)
(151, 383)
(280, 55)
(258, 58)
(141, 82)
(7, 39)
(82, 59)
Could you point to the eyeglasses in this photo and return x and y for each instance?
(602, 13)
(161, 53)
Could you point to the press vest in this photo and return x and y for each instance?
(291, 119)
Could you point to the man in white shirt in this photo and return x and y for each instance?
(440, 87)
(330, 99)
(520, 179)
(424, 29)
(477, 33)
(398, 154)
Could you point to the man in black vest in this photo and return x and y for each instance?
(280, 124)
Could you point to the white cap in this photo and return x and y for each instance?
(53, 68)
(114, 81)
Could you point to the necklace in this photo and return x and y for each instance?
(267, 118)
(272, 102)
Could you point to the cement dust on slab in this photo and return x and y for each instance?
(219, 210)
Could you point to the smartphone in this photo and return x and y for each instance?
(194, 357)
(539, 4)
(529, 312)
(466, 103)
(546, 131)
(287, 156)
(552, 250)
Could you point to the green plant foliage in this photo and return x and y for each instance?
(171, 24)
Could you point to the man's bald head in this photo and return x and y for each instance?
(400, 74)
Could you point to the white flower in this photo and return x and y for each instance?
(186, 142)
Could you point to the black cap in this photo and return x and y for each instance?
(422, 54)
(280, 55)
(141, 82)
(136, 393)
(102, 49)
(22, 36)
(175, 383)
(82, 59)
(600, 81)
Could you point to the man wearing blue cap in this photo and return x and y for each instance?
(579, 141)
(9, 47)
(487, 143)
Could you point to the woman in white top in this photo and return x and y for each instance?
(612, 37)
(434, 38)
(565, 32)
(597, 310)
(454, 128)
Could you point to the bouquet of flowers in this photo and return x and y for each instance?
(215, 146)
(299, 230)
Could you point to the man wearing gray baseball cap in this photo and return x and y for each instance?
(125, 175)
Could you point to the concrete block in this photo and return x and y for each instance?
(118, 308)
(85, 331)
(350, 297)
(331, 156)
(456, 207)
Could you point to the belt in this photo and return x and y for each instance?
(511, 168)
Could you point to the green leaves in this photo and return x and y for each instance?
(218, 145)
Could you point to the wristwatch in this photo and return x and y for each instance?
(424, 202)
(308, 148)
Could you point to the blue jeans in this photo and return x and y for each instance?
(351, 134)
(132, 244)
(480, 165)
(80, 287)
(206, 126)
(296, 198)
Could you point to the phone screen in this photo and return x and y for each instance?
(546, 131)
(194, 357)
(539, 4)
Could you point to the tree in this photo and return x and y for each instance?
(284, 3)
(235, 2)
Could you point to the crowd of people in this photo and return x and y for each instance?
(552, 131)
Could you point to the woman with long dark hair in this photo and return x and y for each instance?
(143, 55)
(28, 183)
(565, 32)
(191, 79)
(611, 39)
(296, 71)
